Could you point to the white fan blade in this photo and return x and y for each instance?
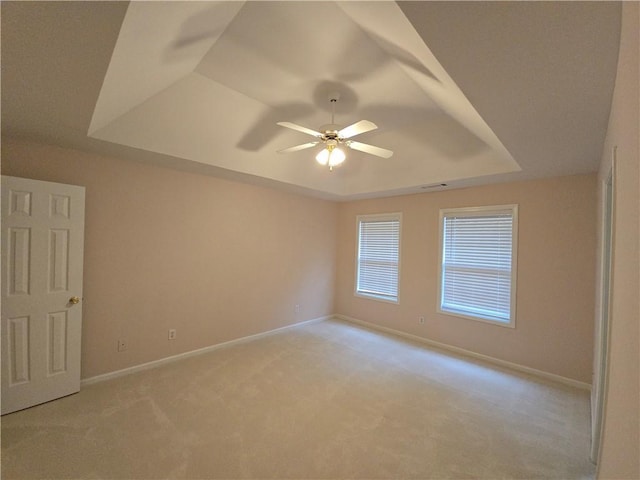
(377, 151)
(357, 128)
(306, 130)
(298, 147)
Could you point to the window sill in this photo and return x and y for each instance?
(378, 298)
(498, 323)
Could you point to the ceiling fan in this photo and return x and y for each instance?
(332, 136)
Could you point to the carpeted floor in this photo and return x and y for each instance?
(325, 400)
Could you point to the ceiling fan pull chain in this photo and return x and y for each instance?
(333, 110)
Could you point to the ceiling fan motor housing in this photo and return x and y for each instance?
(330, 131)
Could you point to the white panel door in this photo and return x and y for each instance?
(42, 252)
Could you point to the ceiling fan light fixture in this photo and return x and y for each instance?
(331, 156)
(336, 157)
(323, 157)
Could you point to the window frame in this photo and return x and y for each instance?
(377, 217)
(480, 211)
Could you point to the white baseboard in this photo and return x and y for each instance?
(200, 351)
(460, 351)
(468, 353)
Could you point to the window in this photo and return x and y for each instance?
(478, 263)
(378, 257)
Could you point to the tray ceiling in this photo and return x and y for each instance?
(201, 85)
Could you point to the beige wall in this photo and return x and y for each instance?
(218, 260)
(620, 449)
(555, 283)
(214, 259)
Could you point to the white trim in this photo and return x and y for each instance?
(468, 353)
(461, 351)
(192, 353)
(377, 298)
(601, 347)
(471, 211)
(497, 323)
(379, 217)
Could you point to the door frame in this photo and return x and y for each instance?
(603, 319)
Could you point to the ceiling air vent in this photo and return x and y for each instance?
(435, 185)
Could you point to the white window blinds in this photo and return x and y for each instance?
(378, 256)
(478, 274)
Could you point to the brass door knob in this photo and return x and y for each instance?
(74, 300)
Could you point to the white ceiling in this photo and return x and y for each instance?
(463, 93)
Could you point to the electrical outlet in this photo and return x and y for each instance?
(297, 308)
(421, 319)
(172, 334)
(122, 345)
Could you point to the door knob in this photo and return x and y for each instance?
(74, 300)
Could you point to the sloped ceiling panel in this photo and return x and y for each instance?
(213, 93)
(464, 93)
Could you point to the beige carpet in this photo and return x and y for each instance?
(325, 400)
